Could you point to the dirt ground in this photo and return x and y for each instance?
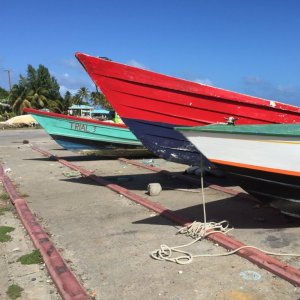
(106, 239)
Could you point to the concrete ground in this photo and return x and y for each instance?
(106, 238)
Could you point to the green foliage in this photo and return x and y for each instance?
(3, 210)
(14, 291)
(3, 93)
(99, 99)
(35, 90)
(4, 105)
(62, 105)
(39, 90)
(81, 96)
(4, 236)
(32, 258)
(4, 196)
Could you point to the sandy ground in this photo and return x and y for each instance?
(106, 239)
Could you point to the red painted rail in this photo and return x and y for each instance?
(67, 284)
(257, 257)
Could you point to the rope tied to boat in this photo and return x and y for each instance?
(196, 230)
(199, 231)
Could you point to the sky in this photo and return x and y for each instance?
(251, 47)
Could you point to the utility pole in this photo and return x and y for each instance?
(9, 82)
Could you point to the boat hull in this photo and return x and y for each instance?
(77, 134)
(162, 140)
(81, 144)
(264, 185)
(263, 159)
(144, 98)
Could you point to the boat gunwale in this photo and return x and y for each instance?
(209, 91)
(78, 119)
(242, 129)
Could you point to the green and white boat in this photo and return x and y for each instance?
(263, 159)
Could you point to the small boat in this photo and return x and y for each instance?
(79, 133)
(152, 104)
(264, 160)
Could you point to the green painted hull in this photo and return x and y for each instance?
(262, 129)
(80, 134)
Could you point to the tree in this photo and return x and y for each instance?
(82, 95)
(4, 104)
(99, 99)
(38, 97)
(17, 97)
(35, 90)
(3, 93)
(62, 105)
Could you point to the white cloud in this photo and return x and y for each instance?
(204, 81)
(73, 81)
(71, 63)
(285, 88)
(136, 64)
(262, 88)
(253, 80)
(64, 89)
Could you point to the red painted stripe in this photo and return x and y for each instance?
(253, 167)
(259, 258)
(137, 93)
(113, 70)
(67, 117)
(68, 286)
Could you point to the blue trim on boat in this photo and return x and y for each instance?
(165, 142)
(78, 144)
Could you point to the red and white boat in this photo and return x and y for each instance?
(152, 104)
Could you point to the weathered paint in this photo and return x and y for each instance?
(277, 130)
(75, 133)
(163, 141)
(146, 99)
(265, 165)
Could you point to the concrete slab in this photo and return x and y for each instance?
(106, 238)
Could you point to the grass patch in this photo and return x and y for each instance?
(5, 203)
(3, 210)
(4, 236)
(34, 257)
(23, 195)
(4, 196)
(14, 291)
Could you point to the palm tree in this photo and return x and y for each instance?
(38, 97)
(17, 98)
(21, 97)
(62, 105)
(95, 97)
(99, 99)
(82, 94)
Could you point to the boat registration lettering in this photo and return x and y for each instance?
(83, 127)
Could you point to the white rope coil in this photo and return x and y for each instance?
(198, 231)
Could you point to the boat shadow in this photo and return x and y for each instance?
(139, 182)
(92, 157)
(239, 211)
(240, 214)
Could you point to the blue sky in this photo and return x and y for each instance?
(251, 47)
